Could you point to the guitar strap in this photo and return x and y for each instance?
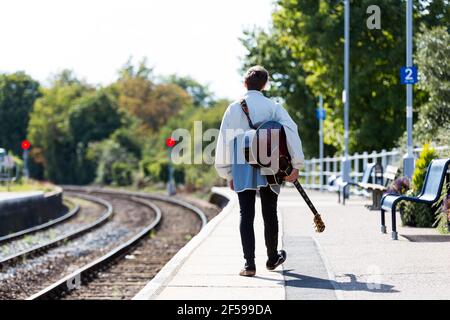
(244, 108)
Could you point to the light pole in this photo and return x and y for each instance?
(346, 93)
(408, 159)
(171, 182)
(171, 189)
(321, 116)
(26, 173)
(25, 145)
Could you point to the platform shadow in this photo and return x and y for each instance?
(297, 280)
(427, 238)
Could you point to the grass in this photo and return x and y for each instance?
(31, 185)
(442, 225)
(161, 189)
(68, 203)
(205, 195)
(199, 194)
(152, 189)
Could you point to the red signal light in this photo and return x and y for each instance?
(170, 142)
(25, 145)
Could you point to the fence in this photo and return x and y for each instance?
(315, 177)
(8, 169)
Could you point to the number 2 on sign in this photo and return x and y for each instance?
(409, 75)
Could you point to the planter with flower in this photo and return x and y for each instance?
(416, 214)
(443, 212)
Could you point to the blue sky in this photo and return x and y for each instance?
(95, 37)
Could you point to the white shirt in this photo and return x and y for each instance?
(261, 109)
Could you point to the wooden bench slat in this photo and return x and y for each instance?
(374, 186)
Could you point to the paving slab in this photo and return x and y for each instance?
(211, 269)
(366, 264)
(350, 260)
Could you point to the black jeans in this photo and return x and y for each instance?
(269, 211)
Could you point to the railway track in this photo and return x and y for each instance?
(121, 271)
(86, 274)
(30, 274)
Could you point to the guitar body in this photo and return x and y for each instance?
(260, 144)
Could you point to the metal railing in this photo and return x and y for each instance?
(8, 170)
(313, 177)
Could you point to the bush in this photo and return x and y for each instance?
(433, 50)
(122, 174)
(157, 171)
(433, 121)
(200, 177)
(418, 214)
(115, 164)
(443, 211)
(426, 156)
(153, 170)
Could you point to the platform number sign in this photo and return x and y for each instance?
(408, 75)
(321, 114)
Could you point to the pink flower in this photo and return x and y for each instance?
(446, 206)
(399, 186)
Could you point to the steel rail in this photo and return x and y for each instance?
(145, 195)
(84, 274)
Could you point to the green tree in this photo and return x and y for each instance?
(94, 117)
(204, 176)
(287, 81)
(70, 115)
(115, 165)
(433, 60)
(201, 94)
(18, 92)
(152, 103)
(196, 176)
(142, 70)
(54, 150)
(304, 50)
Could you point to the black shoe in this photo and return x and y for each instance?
(272, 264)
(249, 270)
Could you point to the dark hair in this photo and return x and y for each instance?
(256, 78)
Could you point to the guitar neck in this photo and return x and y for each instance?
(305, 197)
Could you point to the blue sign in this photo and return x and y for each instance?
(321, 114)
(408, 75)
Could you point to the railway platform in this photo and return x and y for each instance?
(350, 260)
(19, 196)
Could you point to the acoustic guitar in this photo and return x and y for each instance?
(270, 138)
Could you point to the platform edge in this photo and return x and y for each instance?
(157, 284)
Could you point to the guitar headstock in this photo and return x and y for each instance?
(318, 223)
